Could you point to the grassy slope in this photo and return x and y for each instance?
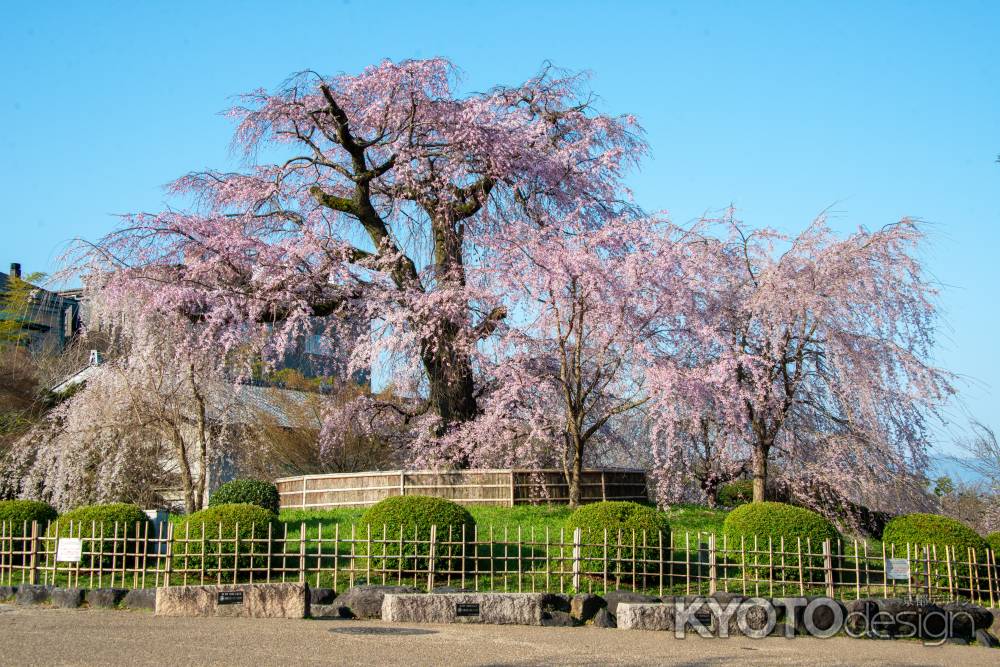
(537, 518)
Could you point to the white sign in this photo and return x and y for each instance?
(69, 549)
(897, 568)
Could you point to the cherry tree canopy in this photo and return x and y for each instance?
(816, 351)
(388, 188)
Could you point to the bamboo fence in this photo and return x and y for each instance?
(490, 560)
(505, 488)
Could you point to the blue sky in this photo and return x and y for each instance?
(876, 110)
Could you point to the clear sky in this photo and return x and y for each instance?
(878, 110)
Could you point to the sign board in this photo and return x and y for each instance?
(897, 569)
(467, 609)
(69, 549)
(230, 597)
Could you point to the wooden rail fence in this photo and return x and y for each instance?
(468, 487)
(563, 561)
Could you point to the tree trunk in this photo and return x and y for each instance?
(449, 374)
(575, 473)
(760, 453)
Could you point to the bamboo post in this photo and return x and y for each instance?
(33, 572)
(270, 543)
(687, 563)
(336, 554)
(990, 562)
(770, 566)
(169, 566)
(577, 553)
(947, 567)
(368, 553)
(659, 557)
(604, 488)
(743, 561)
(713, 584)
(519, 558)
(857, 573)
(430, 560)
(402, 482)
(909, 578)
(885, 575)
(802, 578)
(302, 552)
(511, 488)
(303, 492)
(972, 574)
(464, 546)
(927, 571)
(828, 567)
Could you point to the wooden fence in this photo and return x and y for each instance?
(468, 487)
(489, 560)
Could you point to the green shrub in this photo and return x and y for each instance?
(776, 521)
(16, 517)
(754, 531)
(215, 537)
(415, 515)
(252, 491)
(932, 530)
(633, 537)
(736, 493)
(993, 539)
(111, 531)
(15, 513)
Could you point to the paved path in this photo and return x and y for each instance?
(32, 636)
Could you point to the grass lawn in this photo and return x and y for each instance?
(683, 518)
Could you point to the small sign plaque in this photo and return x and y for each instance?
(69, 549)
(897, 569)
(231, 597)
(467, 609)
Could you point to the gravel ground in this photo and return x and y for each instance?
(39, 636)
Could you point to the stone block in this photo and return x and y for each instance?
(7, 592)
(140, 598)
(614, 598)
(645, 616)
(487, 608)
(240, 600)
(322, 595)
(557, 619)
(366, 601)
(34, 594)
(66, 598)
(604, 619)
(106, 598)
(585, 606)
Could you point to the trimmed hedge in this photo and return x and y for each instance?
(993, 539)
(633, 537)
(777, 520)
(110, 530)
(933, 529)
(415, 515)
(736, 493)
(252, 491)
(227, 528)
(16, 512)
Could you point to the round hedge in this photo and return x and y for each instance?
(252, 491)
(633, 537)
(226, 528)
(933, 529)
(736, 493)
(993, 539)
(16, 512)
(415, 515)
(110, 531)
(776, 521)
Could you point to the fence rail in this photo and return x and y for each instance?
(468, 487)
(488, 560)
